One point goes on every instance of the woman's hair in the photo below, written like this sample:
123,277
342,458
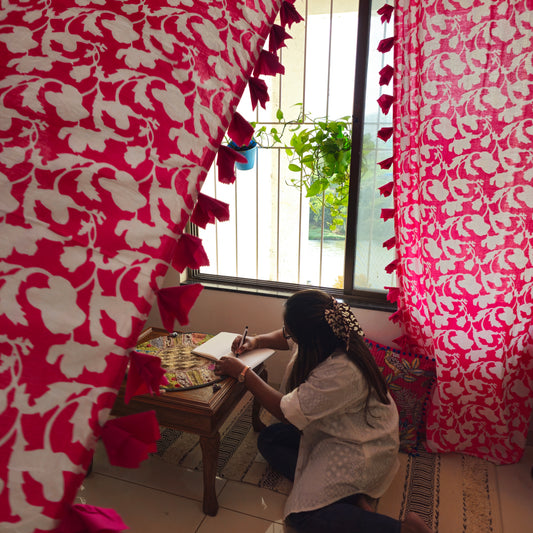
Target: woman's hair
306,323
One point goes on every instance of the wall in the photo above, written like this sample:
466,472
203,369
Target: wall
217,310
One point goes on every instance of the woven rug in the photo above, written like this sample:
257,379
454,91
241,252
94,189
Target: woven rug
453,493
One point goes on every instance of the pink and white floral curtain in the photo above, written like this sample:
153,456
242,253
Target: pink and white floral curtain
111,113
463,138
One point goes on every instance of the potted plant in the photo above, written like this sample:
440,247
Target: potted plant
249,151
320,156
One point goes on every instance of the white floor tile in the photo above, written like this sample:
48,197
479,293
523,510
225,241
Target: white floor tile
515,486
157,474
251,500
143,509
227,521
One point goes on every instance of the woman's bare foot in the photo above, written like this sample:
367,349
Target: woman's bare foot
414,524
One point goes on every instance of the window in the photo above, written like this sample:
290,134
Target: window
277,237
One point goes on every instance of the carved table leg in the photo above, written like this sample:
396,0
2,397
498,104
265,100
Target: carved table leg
210,447
256,406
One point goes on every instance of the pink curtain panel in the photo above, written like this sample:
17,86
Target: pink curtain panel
463,137
111,114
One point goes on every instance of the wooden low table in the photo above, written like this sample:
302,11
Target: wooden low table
199,411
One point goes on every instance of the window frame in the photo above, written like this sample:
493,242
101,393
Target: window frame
366,299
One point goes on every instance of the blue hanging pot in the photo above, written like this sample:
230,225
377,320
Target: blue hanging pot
249,151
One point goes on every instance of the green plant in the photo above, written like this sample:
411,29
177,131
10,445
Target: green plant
320,156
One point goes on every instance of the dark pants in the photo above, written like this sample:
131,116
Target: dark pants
279,444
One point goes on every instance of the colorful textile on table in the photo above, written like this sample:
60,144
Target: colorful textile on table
111,116
183,369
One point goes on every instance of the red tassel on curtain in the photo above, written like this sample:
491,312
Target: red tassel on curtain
240,131
277,38
385,75
145,375
392,266
288,14
176,302
385,102
129,439
386,163
189,253
403,342
258,92
390,243
226,158
393,294
395,317
386,13
83,518
208,209
385,133
385,45
386,190
268,65
387,214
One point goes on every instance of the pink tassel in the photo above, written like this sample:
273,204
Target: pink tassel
189,253
393,294
385,75
402,341
277,38
258,92
226,158
176,302
129,439
386,190
385,45
385,12
390,243
145,375
289,15
268,65
208,209
395,317
386,163
240,131
387,214
385,102
385,133
392,266
83,518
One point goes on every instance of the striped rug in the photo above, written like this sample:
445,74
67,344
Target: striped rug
453,493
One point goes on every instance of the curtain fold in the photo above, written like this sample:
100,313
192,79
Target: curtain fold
463,132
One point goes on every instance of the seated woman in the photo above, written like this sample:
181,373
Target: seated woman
338,436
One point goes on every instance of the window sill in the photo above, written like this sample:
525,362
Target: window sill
362,299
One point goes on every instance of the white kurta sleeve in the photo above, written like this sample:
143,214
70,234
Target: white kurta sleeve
329,389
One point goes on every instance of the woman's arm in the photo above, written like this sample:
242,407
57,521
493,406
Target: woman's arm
266,395
274,340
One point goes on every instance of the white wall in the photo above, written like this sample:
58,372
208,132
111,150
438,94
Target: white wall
217,310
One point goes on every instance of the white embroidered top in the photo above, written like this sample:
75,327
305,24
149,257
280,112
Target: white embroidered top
340,454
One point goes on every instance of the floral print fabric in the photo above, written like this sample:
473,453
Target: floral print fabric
111,115
464,215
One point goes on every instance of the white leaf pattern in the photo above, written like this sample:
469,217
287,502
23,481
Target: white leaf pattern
110,114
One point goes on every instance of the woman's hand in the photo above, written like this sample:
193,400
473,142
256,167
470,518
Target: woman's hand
249,344
229,366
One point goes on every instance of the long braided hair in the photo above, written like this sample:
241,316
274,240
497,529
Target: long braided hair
320,325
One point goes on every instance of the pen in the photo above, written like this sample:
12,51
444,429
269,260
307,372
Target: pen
243,337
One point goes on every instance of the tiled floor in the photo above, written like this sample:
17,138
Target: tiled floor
159,497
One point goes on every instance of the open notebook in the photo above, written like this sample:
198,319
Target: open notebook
220,345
